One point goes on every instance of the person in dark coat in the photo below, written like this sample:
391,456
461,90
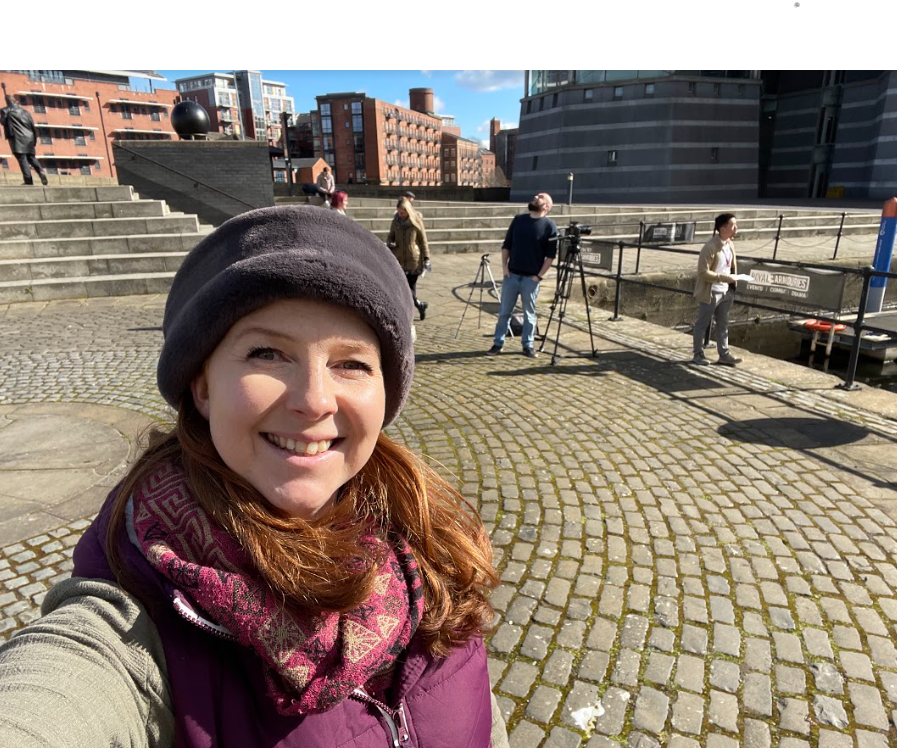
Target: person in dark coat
20,132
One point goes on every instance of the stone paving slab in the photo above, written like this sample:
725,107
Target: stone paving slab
688,557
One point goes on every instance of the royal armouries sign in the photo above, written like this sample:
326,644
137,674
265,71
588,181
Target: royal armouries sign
818,289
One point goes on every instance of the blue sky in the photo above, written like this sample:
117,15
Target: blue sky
472,96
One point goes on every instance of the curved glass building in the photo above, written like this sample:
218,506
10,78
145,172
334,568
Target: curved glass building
722,136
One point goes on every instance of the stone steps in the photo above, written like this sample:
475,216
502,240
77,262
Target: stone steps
28,195
82,211
23,249
173,223
72,242
90,265
49,289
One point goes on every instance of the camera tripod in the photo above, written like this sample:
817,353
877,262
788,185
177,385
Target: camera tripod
567,268
479,280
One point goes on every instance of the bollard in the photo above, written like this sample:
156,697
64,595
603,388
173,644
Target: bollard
884,251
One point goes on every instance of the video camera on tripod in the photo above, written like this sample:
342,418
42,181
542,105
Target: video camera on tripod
570,238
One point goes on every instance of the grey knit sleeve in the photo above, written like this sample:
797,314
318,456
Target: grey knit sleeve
90,672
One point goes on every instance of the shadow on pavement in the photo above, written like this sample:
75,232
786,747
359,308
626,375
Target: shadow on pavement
794,433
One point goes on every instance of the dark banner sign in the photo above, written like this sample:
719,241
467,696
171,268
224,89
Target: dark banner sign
667,233
819,289
595,254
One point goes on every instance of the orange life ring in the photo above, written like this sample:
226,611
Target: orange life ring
821,326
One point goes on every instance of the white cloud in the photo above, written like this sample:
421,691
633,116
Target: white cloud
483,126
485,143
438,104
428,73
489,80
406,103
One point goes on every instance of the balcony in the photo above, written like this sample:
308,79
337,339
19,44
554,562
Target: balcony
138,103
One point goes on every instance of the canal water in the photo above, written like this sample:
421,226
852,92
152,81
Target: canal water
771,337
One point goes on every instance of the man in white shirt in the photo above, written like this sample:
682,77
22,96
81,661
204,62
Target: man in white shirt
715,290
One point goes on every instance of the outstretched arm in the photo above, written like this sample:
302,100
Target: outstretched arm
91,672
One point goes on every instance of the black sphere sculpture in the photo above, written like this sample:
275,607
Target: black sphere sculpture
190,120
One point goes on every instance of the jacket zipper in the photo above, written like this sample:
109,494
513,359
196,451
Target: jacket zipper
395,718
187,613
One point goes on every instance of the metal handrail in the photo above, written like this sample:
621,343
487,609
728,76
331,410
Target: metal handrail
196,182
859,326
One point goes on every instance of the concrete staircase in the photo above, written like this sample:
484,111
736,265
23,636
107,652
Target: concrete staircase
75,242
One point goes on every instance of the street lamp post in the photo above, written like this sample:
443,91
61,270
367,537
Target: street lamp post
570,188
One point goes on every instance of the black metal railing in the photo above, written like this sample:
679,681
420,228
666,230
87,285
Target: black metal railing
858,324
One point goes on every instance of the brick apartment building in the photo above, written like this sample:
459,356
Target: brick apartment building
240,103
461,165
78,113
503,143
370,141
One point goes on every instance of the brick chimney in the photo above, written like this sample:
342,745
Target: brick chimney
421,100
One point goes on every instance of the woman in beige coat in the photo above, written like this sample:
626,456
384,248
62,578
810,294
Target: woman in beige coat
408,241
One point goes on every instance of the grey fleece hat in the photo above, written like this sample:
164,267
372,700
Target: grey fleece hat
285,253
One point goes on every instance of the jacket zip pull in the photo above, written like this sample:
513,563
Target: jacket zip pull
402,723
388,715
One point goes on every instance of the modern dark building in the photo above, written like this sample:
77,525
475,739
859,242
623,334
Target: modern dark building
699,135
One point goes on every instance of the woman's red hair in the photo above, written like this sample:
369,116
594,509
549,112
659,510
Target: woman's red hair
313,565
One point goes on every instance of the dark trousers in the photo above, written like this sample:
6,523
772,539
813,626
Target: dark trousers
412,284
26,161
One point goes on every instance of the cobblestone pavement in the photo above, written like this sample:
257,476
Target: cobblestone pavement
689,557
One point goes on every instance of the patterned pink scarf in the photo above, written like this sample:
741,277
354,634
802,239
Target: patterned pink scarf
312,662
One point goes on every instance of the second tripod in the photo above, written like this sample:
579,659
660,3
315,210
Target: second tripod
479,280
568,268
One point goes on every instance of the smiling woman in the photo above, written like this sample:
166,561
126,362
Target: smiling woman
274,570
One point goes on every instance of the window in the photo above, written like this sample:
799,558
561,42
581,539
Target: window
692,88
347,123
618,93
80,140
125,112
38,104
554,100
327,124
91,135
345,107
45,138
714,155
356,108
155,116
535,162
611,158
716,89
542,103
97,166
85,169
4,163
529,106
74,110
587,94
325,110
649,90
357,122
86,106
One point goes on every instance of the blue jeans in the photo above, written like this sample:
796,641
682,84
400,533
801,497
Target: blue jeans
527,289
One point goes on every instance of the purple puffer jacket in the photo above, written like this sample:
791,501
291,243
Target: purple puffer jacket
219,694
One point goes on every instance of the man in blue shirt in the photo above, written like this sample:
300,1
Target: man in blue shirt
526,255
